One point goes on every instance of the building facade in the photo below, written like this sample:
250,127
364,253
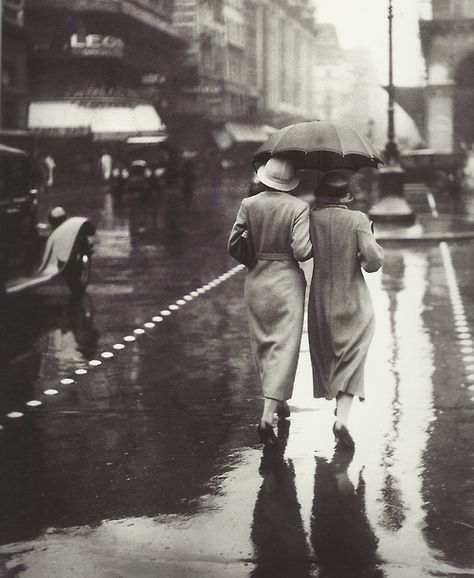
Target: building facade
448,48
215,81
249,63
332,85
99,71
105,65
285,58
14,67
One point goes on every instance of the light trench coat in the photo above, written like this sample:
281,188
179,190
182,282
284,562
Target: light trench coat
275,287
340,312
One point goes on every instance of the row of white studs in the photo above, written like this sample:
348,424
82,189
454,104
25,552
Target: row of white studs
463,331
156,319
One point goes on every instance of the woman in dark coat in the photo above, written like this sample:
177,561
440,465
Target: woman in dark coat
278,224
340,312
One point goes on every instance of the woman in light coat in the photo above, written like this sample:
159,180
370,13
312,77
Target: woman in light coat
340,312
278,224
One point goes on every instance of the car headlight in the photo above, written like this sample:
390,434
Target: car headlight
147,173
125,174
159,172
116,172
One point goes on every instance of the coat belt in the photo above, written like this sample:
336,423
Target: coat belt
274,257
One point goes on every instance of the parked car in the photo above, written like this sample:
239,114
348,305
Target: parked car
146,165
441,171
32,254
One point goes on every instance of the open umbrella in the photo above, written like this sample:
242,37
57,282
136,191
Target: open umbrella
320,145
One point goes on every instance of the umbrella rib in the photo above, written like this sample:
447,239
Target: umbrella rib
283,133
339,137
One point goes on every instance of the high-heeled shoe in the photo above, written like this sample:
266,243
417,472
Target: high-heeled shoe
283,410
343,437
267,435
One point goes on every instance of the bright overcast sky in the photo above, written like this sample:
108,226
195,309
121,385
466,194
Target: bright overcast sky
364,23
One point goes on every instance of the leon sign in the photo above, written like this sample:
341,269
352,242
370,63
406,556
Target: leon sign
96,45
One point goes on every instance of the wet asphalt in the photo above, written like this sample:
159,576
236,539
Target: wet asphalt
142,459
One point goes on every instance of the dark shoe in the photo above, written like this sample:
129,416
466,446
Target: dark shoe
343,437
267,435
283,411
283,429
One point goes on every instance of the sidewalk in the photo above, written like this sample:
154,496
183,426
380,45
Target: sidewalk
437,219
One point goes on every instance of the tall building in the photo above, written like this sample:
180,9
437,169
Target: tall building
448,47
99,68
14,67
285,58
249,64
332,85
215,79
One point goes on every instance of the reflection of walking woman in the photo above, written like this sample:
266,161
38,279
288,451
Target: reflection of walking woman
340,312
278,533
275,286
341,535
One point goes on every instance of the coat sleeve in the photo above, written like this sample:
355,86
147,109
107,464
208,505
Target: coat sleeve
239,226
300,241
370,252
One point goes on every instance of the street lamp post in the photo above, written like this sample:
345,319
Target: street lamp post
392,154
1,57
392,206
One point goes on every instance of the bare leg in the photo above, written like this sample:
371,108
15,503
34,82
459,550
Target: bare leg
269,408
343,408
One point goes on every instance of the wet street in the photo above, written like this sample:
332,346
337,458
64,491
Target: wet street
128,441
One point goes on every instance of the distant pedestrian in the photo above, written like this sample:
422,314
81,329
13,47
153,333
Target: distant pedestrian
340,312
275,286
469,168
50,165
47,165
106,164
188,174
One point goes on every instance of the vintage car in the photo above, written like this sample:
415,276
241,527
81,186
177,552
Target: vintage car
31,253
145,167
440,171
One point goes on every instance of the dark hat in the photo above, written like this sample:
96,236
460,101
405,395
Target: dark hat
335,183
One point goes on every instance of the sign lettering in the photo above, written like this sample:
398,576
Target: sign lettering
96,45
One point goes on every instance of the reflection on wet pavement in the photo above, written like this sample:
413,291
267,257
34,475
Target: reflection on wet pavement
148,465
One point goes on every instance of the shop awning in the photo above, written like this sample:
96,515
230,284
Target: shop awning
103,121
235,132
412,100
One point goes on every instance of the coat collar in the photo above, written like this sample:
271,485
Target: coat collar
325,202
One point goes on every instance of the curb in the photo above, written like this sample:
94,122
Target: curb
427,237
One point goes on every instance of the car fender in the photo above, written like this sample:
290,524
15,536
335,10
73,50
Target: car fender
61,242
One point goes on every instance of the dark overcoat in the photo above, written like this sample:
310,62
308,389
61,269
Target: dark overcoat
340,311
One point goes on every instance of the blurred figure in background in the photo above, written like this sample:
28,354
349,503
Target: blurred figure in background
188,174
105,164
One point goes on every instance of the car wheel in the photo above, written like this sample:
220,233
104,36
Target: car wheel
78,269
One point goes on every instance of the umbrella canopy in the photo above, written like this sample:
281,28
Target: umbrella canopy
320,145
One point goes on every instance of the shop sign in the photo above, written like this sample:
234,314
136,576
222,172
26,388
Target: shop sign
96,45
